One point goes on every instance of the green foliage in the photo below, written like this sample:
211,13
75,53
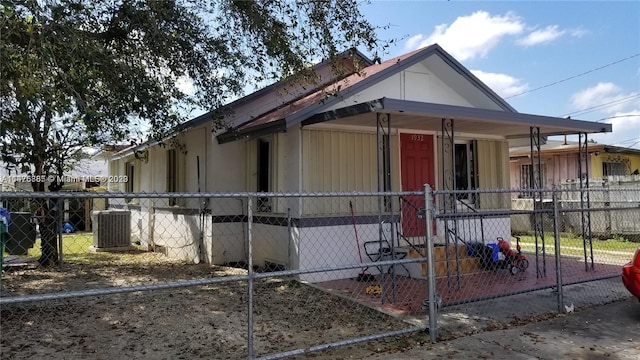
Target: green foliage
76,73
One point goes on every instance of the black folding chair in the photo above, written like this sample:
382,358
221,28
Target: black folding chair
381,250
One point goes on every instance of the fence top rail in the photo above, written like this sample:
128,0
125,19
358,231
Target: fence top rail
195,195
199,195
489,191
540,190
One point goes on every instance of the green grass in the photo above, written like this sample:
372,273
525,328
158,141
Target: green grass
76,249
72,244
575,246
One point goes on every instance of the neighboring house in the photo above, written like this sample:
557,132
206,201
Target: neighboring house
437,123
559,163
89,174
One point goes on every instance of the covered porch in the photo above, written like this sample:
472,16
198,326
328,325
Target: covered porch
462,153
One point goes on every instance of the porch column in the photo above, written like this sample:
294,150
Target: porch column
383,142
585,203
448,153
535,182
383,134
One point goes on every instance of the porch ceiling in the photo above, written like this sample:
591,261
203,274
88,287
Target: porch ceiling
428,116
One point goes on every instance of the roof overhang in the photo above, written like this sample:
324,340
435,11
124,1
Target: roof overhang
428,116
253,132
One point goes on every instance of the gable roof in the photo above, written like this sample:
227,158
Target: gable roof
493,116
322,99
499,118
347,55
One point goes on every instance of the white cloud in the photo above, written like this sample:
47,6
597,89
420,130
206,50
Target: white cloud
470,36
614,107
415,42
626,130
475,35
542,36
503,84
578,32
548,34
605,97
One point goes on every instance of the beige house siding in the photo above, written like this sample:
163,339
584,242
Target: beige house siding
492,157
343,161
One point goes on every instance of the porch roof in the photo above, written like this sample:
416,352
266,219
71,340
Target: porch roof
428,116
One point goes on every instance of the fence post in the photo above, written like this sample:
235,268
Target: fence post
556,236
289,239
59,221
250,279
431,277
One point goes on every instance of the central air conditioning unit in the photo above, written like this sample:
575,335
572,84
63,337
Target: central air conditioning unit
111,229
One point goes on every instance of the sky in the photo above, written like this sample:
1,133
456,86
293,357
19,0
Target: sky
555,58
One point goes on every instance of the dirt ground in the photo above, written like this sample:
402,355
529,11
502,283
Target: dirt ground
204,321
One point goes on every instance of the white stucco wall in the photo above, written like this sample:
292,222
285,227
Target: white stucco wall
270,242
228,243
180,234
326,247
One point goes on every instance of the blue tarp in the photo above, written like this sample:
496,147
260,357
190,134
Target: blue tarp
5,214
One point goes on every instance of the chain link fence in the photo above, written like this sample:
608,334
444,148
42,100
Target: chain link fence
275,275
547,252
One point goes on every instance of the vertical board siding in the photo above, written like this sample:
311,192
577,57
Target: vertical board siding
338,161
493,172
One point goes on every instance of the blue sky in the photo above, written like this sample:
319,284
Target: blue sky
518,46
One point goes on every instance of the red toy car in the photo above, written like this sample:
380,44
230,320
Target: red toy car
631,275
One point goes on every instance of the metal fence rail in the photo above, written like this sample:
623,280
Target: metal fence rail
274,275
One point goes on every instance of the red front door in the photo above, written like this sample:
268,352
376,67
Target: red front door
417,169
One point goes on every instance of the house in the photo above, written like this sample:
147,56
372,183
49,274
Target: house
559,162
394,126
607,170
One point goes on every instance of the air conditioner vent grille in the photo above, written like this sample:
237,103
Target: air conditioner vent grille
112,229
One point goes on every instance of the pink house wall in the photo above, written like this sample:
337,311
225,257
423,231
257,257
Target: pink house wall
557,168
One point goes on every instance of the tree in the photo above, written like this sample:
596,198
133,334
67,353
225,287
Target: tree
76,73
